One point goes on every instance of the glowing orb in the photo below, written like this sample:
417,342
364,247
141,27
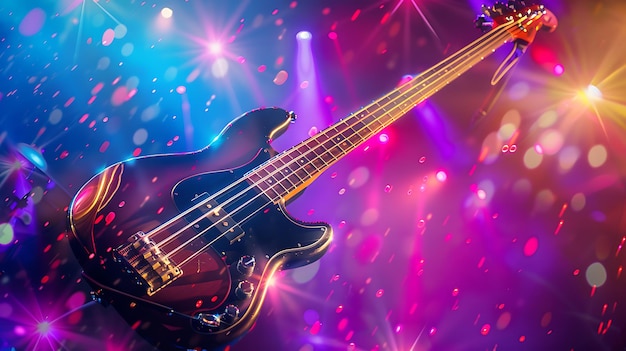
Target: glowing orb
383,138
33,155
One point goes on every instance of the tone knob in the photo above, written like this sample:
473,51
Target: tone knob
245,265
244,289
231,313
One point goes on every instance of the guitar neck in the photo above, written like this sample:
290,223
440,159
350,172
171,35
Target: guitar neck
289,172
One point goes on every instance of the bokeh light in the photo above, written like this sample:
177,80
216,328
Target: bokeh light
167,12
6,233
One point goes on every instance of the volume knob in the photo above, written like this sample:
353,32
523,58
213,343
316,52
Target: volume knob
245,265
244,289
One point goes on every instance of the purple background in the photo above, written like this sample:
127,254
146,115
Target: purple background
502,234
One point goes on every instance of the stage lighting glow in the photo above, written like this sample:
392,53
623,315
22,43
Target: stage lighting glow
593,93
215,48
43,328
304,35
166,12
33,155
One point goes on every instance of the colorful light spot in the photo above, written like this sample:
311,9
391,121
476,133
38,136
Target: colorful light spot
531,246
108,36
167,12
32,23
33,155
485,329
120,31
6,233
281,77
532,158
596,274
597,156
140,136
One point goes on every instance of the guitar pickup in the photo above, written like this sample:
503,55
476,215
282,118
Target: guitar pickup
217,218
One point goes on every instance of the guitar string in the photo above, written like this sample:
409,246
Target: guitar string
442,82
166,224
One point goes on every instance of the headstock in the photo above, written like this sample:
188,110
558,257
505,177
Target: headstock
528,18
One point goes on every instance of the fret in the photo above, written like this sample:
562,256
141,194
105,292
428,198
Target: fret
327,145
327,157
305,165
382,106
257,178
295,179
373,124
342,143
316,160
262,172
285,180
336,152
363,130
278,186
303,155
287,169
346,134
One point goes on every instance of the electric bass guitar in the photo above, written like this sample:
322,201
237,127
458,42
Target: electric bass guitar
183,245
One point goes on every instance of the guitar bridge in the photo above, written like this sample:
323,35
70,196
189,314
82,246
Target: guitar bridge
152,269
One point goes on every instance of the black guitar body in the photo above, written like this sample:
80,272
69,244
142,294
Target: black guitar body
199,279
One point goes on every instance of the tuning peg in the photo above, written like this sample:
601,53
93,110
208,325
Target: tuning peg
516,4
500,8
485,10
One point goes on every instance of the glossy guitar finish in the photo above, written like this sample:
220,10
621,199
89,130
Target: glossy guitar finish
219,294
185,245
